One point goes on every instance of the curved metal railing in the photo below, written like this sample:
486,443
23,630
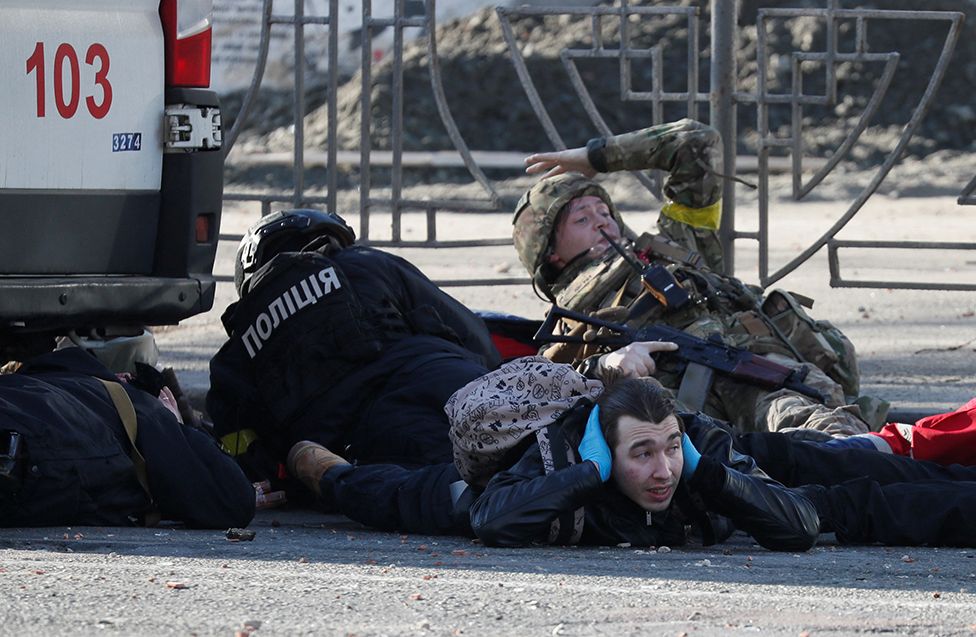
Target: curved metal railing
622,50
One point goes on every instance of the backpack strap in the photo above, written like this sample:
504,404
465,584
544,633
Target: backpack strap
568,527
127,413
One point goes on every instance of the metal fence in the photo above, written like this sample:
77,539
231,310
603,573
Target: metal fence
723,100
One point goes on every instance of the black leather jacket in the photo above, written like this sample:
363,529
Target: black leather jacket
728,491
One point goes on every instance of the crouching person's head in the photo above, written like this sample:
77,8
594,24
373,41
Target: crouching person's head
643,431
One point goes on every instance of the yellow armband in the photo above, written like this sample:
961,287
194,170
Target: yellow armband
706,218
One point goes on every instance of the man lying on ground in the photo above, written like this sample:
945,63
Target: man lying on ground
78,447
563,229
641,472
338,343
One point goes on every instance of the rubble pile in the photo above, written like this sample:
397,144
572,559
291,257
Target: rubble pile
492,111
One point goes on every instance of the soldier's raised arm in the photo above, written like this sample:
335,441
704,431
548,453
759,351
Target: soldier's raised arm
574,160
689,151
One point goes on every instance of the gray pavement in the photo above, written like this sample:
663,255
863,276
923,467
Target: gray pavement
323,575
307,573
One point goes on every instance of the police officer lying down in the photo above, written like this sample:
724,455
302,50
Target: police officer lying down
642,472
344,345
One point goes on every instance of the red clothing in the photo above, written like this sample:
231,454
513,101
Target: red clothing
948,438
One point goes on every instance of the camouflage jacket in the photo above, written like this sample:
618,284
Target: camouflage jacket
716,303
687,247
690,152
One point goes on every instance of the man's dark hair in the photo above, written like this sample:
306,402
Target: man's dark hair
641,398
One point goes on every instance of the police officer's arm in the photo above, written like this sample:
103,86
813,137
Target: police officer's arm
519,504
233,401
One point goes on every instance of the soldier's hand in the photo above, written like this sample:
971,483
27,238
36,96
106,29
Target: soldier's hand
559,162
635,360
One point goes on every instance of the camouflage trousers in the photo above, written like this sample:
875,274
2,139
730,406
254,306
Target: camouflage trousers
749,408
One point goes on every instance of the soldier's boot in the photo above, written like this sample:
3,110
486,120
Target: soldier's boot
308,461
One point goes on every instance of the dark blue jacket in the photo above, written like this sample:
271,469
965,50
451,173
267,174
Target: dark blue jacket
318,336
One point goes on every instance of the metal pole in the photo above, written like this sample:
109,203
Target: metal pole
299,109
366,119
725,15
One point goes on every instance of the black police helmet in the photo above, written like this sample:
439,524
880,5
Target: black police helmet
286,231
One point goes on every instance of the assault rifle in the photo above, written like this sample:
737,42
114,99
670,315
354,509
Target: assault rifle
697,359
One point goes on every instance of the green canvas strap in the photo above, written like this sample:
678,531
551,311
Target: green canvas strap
127,413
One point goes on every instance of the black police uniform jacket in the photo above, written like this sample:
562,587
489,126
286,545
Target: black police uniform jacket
727,491
318,334
75,465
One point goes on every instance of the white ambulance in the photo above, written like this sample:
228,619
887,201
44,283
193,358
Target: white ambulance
110,165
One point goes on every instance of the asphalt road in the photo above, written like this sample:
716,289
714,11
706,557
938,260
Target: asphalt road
306,573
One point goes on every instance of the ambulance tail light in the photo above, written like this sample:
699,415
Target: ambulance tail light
187,31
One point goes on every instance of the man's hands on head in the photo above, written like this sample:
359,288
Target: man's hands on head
691,457
635,360
593,446
574,160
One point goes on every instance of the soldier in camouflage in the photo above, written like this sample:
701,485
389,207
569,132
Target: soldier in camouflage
557,233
